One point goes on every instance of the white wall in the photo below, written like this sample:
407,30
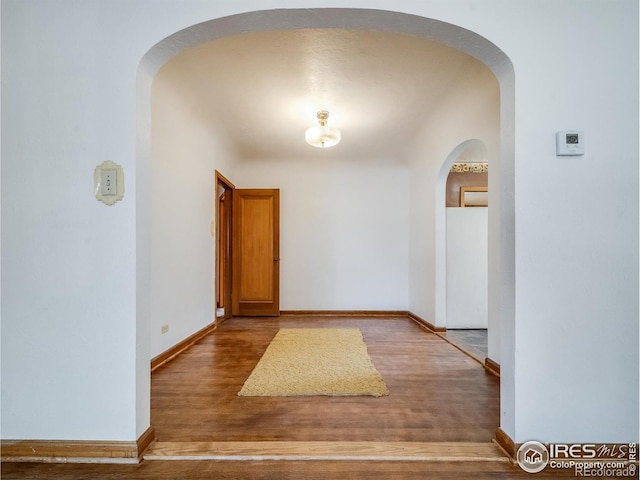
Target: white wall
467,274
344,232
577,227
72,362
470,111
185,153
344,238
68,261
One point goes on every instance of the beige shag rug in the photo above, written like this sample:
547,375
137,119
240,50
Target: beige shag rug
315,361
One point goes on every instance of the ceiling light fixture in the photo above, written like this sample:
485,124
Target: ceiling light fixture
322,136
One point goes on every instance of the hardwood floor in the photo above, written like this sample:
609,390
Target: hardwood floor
437,395
194,398
277,470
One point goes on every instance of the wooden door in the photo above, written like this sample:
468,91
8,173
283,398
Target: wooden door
255,252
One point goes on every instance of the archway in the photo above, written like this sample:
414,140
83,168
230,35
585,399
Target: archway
476,149
501,220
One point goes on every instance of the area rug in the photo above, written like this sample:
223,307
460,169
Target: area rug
315,361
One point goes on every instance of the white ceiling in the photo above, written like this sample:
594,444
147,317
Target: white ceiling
265,88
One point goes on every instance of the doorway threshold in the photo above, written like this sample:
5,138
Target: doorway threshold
330,451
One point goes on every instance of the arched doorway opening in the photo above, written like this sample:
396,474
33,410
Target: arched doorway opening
501,223
461,253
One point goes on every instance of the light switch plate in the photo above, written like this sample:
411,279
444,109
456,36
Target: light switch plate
108,182
108,179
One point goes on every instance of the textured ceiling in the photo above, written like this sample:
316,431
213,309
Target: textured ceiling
264,89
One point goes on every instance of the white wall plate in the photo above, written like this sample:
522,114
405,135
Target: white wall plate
108,180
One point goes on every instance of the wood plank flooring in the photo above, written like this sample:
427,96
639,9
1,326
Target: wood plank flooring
437,394
279,470
438,398
390,451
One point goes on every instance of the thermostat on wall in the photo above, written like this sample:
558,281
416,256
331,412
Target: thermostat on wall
569,143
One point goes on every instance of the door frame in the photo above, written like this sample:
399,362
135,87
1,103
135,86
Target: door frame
220,230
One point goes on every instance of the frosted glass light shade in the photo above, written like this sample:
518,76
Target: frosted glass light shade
322,136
